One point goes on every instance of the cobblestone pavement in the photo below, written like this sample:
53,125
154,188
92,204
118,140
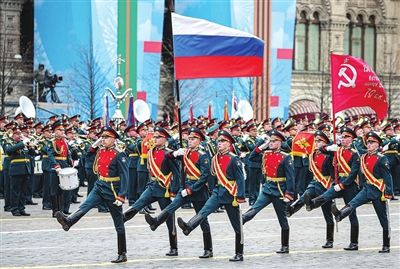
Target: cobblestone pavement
38,241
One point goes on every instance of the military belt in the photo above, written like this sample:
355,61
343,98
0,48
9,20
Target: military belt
143,156
60,158
109,179
45,156
391,152
133,154
192,177
343,175
276,179
20,161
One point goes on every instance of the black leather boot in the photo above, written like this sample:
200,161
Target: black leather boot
208,250
330,228
386,242
313,203
54,205
353,238
284,242
238,250
248,215
173,243
67,222
342,213
129,214
121,249
191,224
294,207
158,220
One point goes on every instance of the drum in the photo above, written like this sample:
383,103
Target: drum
68,178
38,168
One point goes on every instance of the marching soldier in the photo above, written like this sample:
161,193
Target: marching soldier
301,162
321,165
255,177
390,148
130,142
278,189
46,166
165,179
111,188
348,165
377,188
59,158
19,171
229,191
197,167
6,165
142,171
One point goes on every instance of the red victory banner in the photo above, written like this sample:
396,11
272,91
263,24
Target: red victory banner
355,84
303,144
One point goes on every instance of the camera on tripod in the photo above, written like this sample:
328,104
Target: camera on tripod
51,80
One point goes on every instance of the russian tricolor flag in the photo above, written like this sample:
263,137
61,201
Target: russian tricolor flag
203,49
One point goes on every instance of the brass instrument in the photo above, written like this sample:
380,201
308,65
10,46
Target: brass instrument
33,142
360,120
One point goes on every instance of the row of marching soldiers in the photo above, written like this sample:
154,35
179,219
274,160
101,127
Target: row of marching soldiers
142,164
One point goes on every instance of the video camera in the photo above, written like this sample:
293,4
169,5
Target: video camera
51,80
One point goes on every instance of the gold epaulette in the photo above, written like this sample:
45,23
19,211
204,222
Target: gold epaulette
284,153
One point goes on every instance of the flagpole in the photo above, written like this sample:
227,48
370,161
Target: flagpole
178,100
335,167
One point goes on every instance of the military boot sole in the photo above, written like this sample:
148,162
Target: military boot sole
61,219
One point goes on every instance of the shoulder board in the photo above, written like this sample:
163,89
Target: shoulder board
232,154
284,153
118,149
201,151
380,154
353,150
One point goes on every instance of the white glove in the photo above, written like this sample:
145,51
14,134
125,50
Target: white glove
171,198
179,152
71,142
58,170
37,158
333,147
245,137
263,146
184,193
337,188
242,155
263,136
26,141
118,203
286,200
75,164
385,148
97,143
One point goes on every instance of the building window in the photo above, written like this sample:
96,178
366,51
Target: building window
360,39
307,43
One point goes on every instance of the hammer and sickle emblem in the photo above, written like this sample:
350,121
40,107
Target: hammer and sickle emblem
350,81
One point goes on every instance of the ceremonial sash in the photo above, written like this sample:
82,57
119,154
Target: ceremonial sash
189,165
326,182
370,177
231,187
342,161
165,179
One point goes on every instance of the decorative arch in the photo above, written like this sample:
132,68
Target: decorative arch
304,107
